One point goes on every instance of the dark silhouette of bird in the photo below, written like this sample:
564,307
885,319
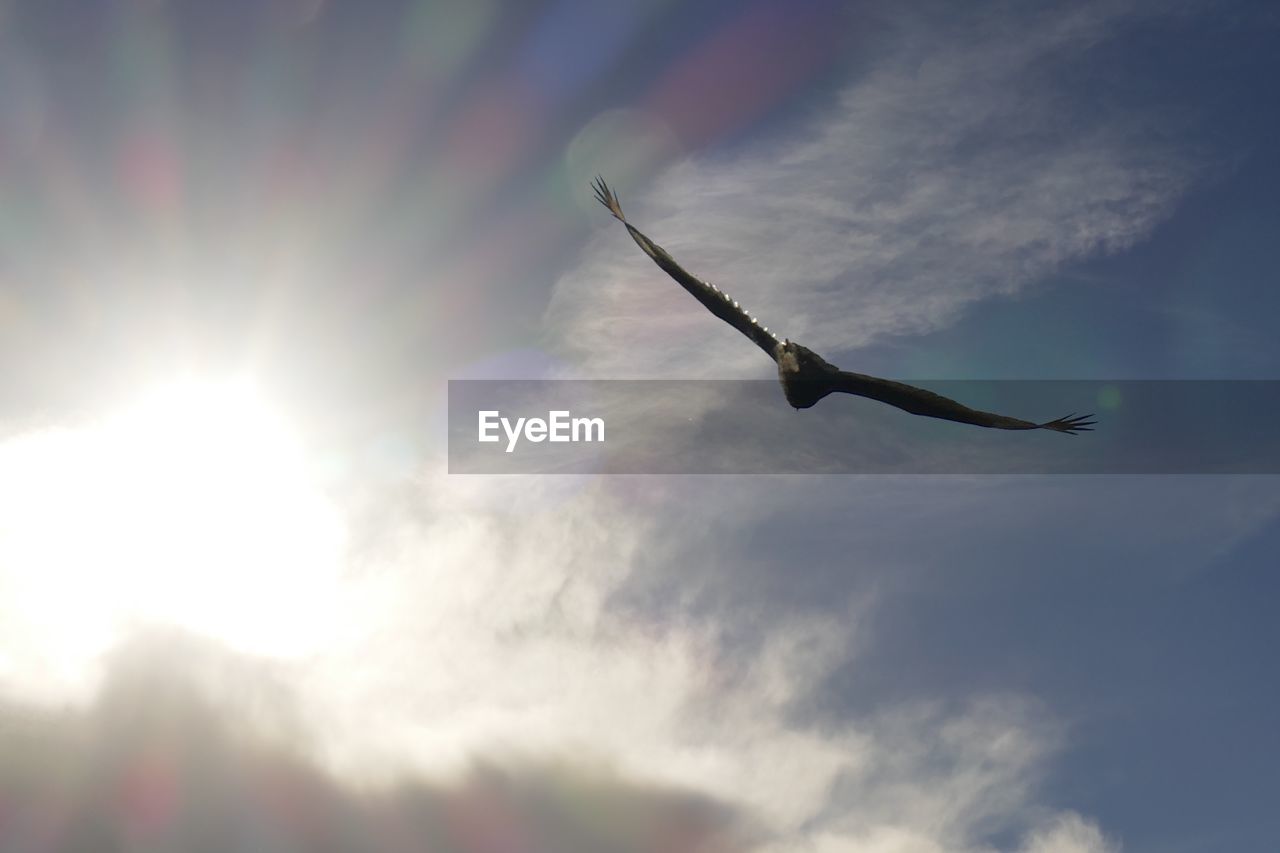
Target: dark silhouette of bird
807,377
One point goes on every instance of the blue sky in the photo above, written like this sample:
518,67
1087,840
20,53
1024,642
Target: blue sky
310,214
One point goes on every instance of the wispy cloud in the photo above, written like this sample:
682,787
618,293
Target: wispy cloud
964,164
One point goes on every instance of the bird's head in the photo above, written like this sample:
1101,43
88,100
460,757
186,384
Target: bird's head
801,359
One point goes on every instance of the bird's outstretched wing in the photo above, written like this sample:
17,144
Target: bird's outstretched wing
715,300
918,401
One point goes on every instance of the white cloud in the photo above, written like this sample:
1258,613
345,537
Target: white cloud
958,168
1069,833
500,642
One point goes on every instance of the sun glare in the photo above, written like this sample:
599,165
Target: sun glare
194,506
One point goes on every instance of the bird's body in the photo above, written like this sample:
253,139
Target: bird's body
807,377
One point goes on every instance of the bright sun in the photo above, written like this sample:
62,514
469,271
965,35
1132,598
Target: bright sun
194,506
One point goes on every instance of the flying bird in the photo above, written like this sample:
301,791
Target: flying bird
807,377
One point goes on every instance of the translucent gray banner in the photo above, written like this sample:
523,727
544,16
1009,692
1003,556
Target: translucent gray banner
746,427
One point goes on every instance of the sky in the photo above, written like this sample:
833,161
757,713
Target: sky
244,604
